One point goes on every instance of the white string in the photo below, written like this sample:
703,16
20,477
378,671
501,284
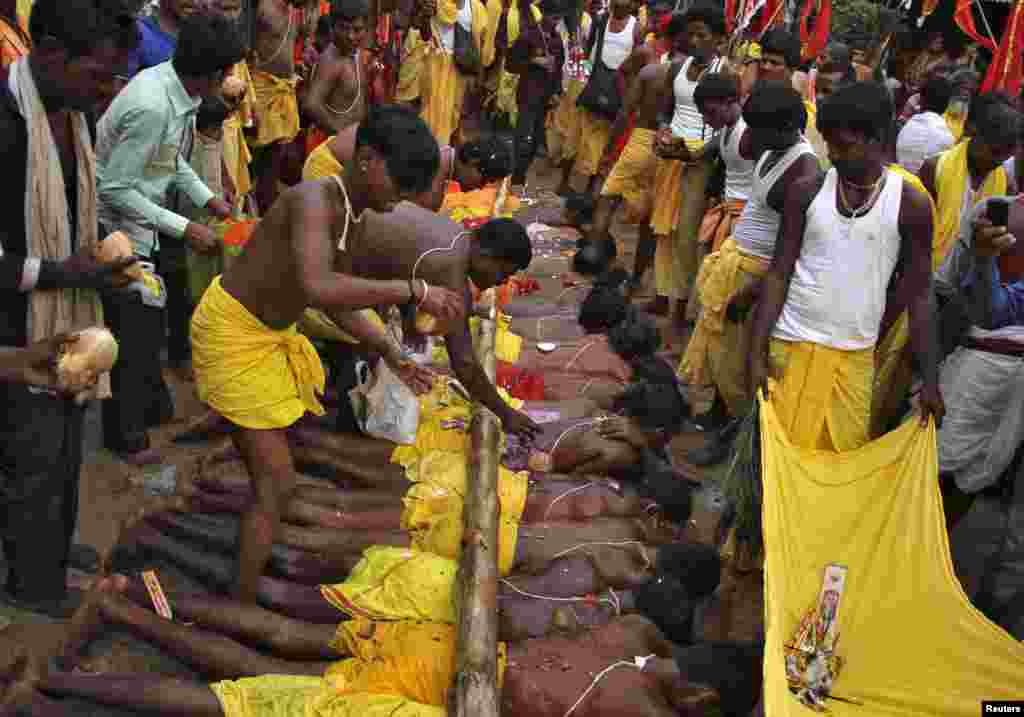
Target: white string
567,430
284,41
612,543
359,89
451,247
637,664
578,354
566,494
349,214
571,288
613,601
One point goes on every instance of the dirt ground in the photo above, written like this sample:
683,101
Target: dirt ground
112,495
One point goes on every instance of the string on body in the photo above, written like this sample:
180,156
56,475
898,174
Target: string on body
638,663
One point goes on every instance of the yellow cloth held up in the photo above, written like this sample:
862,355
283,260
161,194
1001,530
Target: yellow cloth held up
392,583
252,375
955,122
951,179
433,507
911,642
301,696
822,395
277,109
237,156
321,163
716,355
632,177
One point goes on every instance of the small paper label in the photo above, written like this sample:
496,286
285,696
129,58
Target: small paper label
156,594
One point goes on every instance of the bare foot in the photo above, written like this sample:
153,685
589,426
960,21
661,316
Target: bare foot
88,620
207,427
21,677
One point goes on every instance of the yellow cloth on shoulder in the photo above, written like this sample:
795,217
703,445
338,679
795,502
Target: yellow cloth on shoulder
301,696
822,395
951,179
391,583
433,506
421,668
955,123
632,177
439,405
252,375
716,355
910,641
321,163
276,108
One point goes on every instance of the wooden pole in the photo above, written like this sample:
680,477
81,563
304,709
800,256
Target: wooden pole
475,689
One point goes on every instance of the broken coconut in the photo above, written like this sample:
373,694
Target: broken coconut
115,247
82,361
233,89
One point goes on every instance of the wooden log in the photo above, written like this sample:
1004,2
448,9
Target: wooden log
475,689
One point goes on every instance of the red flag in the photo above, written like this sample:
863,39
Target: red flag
730,15
965,19
1006,71
814,42
771,14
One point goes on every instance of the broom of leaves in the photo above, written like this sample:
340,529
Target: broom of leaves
741,488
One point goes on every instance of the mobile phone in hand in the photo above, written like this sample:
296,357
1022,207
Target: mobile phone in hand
998,212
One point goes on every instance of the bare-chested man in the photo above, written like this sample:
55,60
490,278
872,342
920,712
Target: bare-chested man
336,96
631,179
252,366
274,79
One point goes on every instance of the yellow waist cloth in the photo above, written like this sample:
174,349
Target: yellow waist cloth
299,696
591,142
632,177
276,109
237,156
719,222
822,395
433,507
717,351
562,125
321,163
252,375
951,179
910,642
397,584
421,668
668,183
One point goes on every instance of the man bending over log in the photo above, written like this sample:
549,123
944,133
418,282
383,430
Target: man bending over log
252,366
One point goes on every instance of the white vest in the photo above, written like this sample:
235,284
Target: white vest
687,121
739,172
837,293
617,45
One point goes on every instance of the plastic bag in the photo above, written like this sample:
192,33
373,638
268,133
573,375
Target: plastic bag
384,406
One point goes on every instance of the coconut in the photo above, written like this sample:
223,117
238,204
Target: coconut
233,89
82,361
115,247
431,325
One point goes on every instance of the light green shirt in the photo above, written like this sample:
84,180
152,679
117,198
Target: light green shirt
139,163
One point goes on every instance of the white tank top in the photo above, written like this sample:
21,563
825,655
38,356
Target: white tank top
758,226
464,18
617,45
687,121
837,294
739,172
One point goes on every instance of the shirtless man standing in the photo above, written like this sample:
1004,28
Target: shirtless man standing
252,366
336,97
274,79
632,178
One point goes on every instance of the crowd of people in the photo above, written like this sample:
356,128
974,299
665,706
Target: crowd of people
323,202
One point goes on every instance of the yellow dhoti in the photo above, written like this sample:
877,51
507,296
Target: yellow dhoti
692,201
321,163
433,507
563,125
591,142
277,109
718,224
442,92
252,375
300,696
822,395
632,177
397,584
716,355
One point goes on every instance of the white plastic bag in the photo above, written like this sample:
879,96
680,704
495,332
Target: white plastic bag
384,406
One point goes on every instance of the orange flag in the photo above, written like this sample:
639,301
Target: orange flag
965,19
1007,70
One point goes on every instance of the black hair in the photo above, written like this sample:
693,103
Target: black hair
862,107
582,204
672,494
655,406
324,26
594,257
710,15
347,10
212,113
994,119
490,155
936,94
839,53
734,669
715,87
613,278
207,43
635,337
603,308
775,105
82,26
507,240
783,43
654,369
665,602
696,565
406,144
676,24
